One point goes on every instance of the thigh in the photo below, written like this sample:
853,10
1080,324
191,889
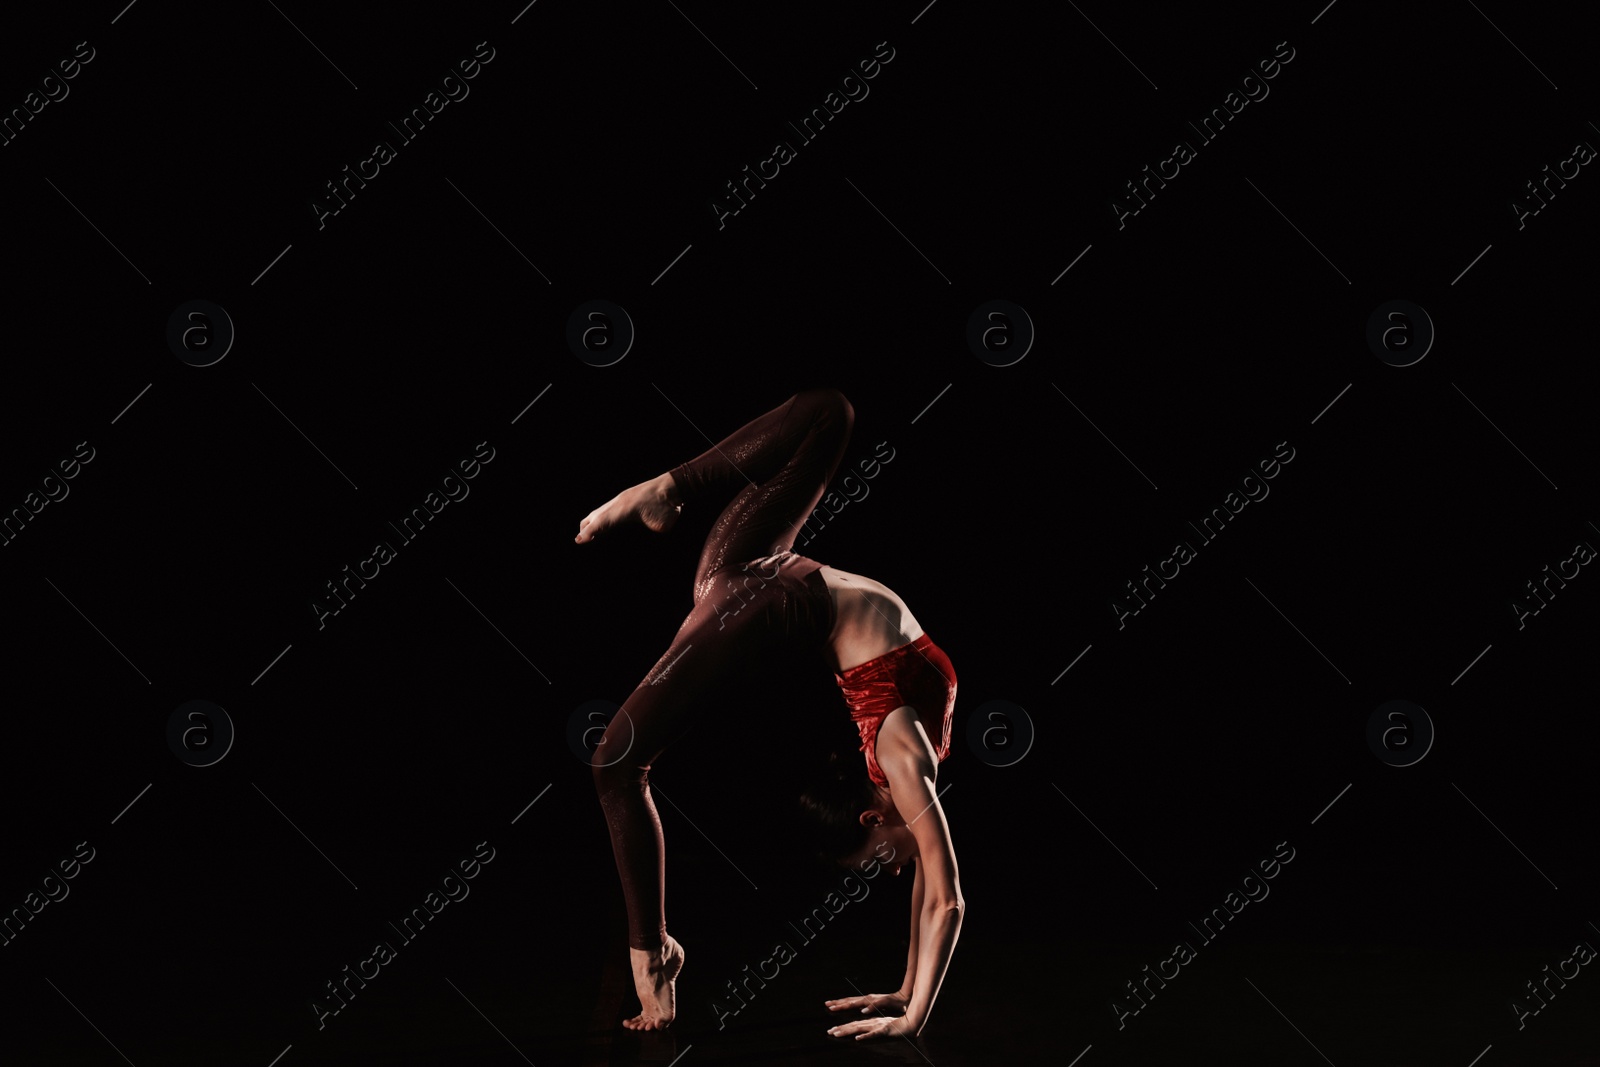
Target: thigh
718,641
765,517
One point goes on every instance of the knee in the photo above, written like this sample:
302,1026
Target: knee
829,406
616,778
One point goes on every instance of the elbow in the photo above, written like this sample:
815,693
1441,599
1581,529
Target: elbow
955,907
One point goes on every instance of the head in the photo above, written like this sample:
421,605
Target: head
852,821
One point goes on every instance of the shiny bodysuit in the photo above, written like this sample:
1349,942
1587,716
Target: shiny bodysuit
753,597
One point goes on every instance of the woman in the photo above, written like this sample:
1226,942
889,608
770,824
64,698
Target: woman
753,595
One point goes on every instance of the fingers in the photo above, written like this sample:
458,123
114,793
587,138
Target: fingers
858,1030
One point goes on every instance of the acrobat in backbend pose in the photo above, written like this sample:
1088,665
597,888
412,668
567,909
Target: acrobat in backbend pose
753,594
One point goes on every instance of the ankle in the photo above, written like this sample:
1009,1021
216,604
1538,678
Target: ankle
667,487
654,959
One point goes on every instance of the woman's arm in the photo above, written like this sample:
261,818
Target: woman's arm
907,758
942,905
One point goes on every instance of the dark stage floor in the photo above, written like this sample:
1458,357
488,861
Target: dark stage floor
481,987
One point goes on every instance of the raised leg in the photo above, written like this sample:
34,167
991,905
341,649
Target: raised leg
776,467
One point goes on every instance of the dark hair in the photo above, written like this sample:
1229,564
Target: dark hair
830,810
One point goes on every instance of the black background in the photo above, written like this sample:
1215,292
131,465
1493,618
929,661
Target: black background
1177,352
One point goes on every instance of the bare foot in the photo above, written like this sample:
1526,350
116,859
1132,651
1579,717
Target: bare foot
653,503
655,980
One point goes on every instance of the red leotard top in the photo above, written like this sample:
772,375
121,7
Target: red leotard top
918,674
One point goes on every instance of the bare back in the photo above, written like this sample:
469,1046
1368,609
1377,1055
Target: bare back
869,619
